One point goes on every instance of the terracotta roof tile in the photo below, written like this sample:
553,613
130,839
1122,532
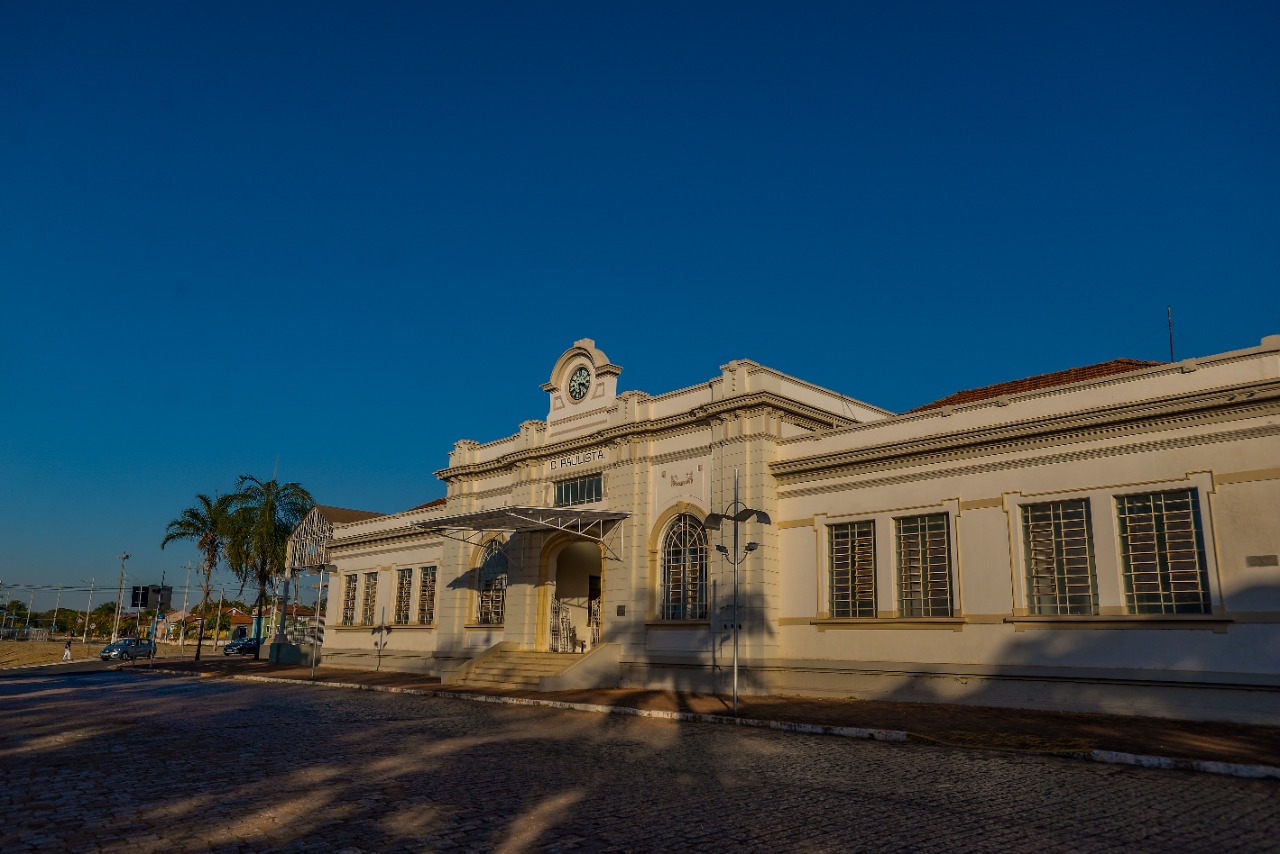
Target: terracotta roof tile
1057,378
439,502
342,515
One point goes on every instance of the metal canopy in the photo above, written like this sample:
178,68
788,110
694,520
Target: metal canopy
593,525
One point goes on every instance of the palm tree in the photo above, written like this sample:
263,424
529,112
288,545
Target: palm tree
265,515
207,524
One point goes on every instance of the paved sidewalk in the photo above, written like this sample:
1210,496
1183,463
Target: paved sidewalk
953,725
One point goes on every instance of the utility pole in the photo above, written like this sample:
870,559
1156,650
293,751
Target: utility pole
217,625
155,624
85,639
115,630
182,638
30,601
56,603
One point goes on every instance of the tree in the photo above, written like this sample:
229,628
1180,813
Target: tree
15,612
208,524
100,620
265,515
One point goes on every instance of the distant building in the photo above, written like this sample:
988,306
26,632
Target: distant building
1103,538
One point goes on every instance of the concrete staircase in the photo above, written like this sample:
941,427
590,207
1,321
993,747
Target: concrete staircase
516,670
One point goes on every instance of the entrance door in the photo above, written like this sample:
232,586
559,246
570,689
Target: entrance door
574,618
593,608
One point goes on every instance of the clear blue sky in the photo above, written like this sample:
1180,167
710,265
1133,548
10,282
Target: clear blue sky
349,234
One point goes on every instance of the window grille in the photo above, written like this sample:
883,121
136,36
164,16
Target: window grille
349,601
684,570
1162,547
1058,545
370,598
427,596
853,569
404,584
924,566
493,585
581,490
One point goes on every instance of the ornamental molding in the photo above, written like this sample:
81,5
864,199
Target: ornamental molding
1100,423
738,407
1068,457
700,453
396,538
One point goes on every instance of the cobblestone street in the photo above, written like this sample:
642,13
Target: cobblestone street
122,762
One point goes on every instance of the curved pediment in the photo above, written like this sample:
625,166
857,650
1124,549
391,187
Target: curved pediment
582,380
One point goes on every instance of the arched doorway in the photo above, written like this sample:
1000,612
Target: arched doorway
574,612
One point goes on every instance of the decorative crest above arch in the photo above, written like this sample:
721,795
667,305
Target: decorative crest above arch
583,379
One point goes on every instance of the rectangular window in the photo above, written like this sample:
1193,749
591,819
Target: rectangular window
427,596
370,598
853,569
1058,546
349,600
404,585
1162,547
582,490
924,566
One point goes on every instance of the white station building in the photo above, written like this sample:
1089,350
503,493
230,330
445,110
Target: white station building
1099,539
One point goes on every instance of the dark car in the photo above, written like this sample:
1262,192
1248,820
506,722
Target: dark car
128,649
242,646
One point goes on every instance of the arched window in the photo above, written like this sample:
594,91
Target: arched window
684,570
493,585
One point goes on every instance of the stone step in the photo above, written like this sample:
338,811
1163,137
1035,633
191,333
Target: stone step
500,676
558,664
509,682
502,672
518,669
477,682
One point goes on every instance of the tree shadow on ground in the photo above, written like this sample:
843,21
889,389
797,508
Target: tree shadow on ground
124,762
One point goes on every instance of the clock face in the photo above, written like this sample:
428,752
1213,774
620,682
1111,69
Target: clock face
579,383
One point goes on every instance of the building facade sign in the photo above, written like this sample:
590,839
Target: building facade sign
582,458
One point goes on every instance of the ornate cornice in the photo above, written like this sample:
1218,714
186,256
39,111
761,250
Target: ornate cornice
394,535
807,416
1063,458
1104,422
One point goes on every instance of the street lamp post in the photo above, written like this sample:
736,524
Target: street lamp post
115,630
737,512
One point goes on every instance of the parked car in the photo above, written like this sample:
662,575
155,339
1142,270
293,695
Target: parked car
128,649
242,646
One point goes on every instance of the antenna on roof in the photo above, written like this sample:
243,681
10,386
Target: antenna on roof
1170,310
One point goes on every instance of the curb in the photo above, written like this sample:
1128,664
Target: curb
45,664
1205,766
1109,757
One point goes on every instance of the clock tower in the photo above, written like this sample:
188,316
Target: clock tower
583,382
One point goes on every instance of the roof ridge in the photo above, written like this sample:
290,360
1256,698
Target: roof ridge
1067,376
